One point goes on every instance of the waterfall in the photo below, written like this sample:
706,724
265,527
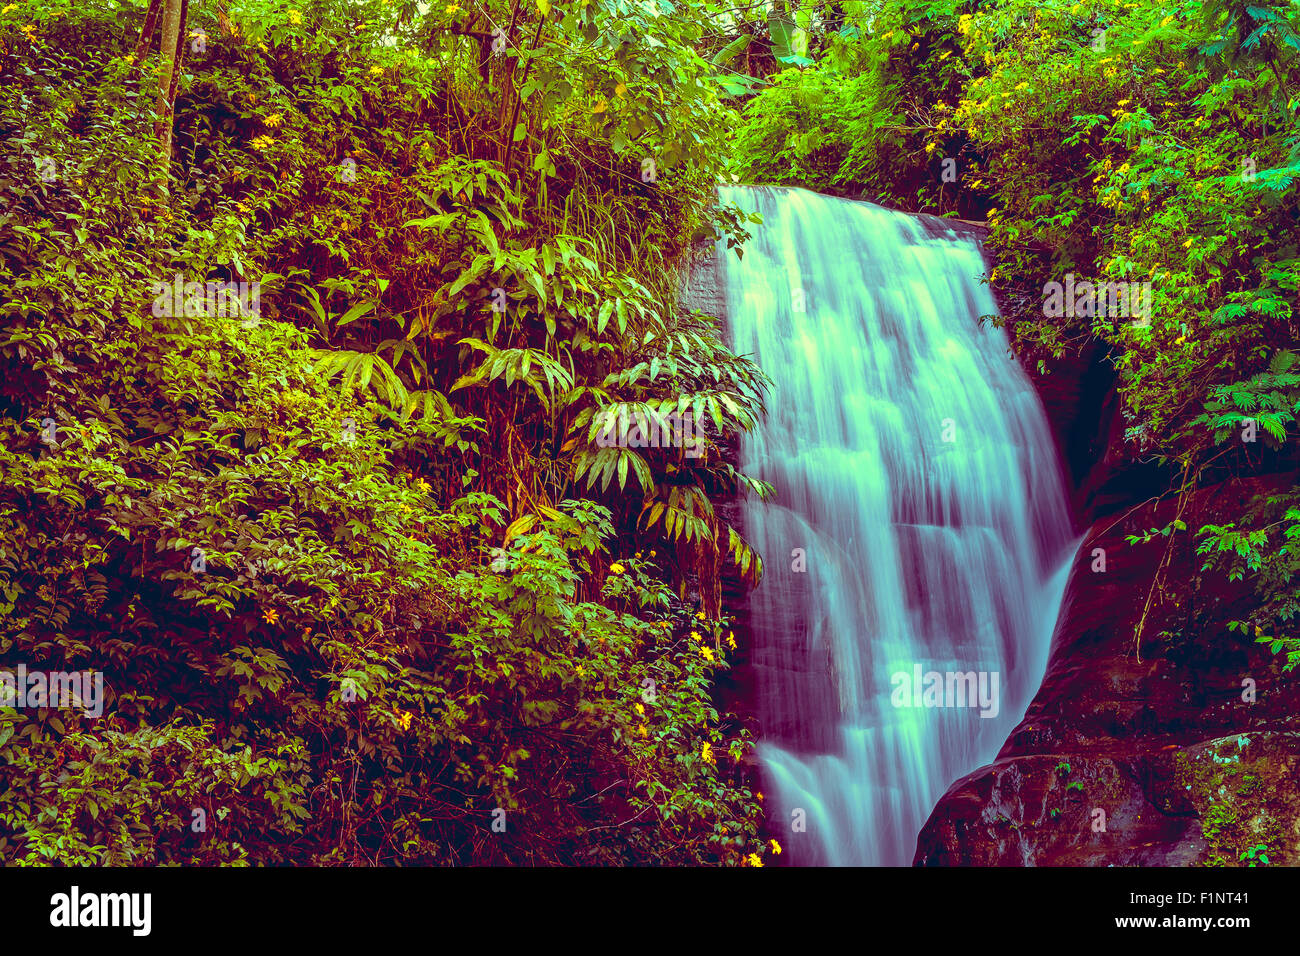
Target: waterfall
920,524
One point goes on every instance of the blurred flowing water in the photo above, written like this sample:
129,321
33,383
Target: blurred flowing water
917,479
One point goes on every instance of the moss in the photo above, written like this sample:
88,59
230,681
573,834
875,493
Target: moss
1226,784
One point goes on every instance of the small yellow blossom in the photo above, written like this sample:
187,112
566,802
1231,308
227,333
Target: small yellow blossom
616,568
652,554
404,720
759,796
731,641
776,847
706,752
642,731
640,708
295,17
376,71
8,7
272,121
700,616
706,653
754,859
453,9
271,616
261,142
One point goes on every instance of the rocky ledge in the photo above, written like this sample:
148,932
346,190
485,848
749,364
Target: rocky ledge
1184,751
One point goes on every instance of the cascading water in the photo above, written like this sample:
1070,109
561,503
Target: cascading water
920,523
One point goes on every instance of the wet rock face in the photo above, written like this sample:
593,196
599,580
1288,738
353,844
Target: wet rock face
1157,758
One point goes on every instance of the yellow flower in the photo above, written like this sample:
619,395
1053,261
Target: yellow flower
731,640
616,569
261,142
295,17
580,674
422,484
700,616
759,796
652,554
376,71
776,847
1123,102
453,9
271,616
754,859
929,148
706,752
272,121
404,719
640,708
642,731
706,653
1188,243
695,635
8,7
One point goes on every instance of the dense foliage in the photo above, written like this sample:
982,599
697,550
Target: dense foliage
362,580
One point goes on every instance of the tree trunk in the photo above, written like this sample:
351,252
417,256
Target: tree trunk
169,48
